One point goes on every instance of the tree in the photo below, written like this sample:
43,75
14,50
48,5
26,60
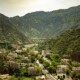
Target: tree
67,72
3,67
38,70
51,69
73,74
46,64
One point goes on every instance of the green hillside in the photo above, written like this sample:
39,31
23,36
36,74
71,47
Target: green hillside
9,31
47,24
40,24
67,43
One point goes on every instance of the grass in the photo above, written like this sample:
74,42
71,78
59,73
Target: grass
21,78
27,78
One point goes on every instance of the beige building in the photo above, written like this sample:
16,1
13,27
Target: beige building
45,52
11,56
31,71
61,68
15,46
2,51
13,64
25,59
41,78
76,69
4,77
64,61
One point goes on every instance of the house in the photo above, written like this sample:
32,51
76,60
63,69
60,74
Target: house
36,52
4,77
25,59
76,69
61,68
24,49
18,51
66,56
41,78
11,55
64,61
2,51
13,64
45,52
61,75
15,46
31,70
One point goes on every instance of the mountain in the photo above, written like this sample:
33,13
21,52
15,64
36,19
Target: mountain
67,43
38,25
9,31
47,24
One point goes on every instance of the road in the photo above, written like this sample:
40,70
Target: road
45,71
50,77
30,45
46,59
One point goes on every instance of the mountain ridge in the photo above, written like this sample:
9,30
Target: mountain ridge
47,24
9,32
39,24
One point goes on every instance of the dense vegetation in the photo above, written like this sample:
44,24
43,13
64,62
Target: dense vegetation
67,43
19,65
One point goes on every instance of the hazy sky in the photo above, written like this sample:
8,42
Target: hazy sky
21,7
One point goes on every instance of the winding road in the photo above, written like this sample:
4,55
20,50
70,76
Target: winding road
45,71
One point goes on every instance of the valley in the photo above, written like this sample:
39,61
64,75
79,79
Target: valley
41,45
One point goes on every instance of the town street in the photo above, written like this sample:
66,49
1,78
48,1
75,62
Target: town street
45,71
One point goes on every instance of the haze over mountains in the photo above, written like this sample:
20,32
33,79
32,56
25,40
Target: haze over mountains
39,24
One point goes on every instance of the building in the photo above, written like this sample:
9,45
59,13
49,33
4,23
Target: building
2,51
11,56
18,51
35,52
24,49
15,46
13,64
4,77
31,71
61,68
64,61
25,59
76,69
45,52
41,78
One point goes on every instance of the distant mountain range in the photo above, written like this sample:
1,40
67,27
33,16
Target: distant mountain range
39,24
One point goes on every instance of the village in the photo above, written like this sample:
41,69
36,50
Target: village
26,62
